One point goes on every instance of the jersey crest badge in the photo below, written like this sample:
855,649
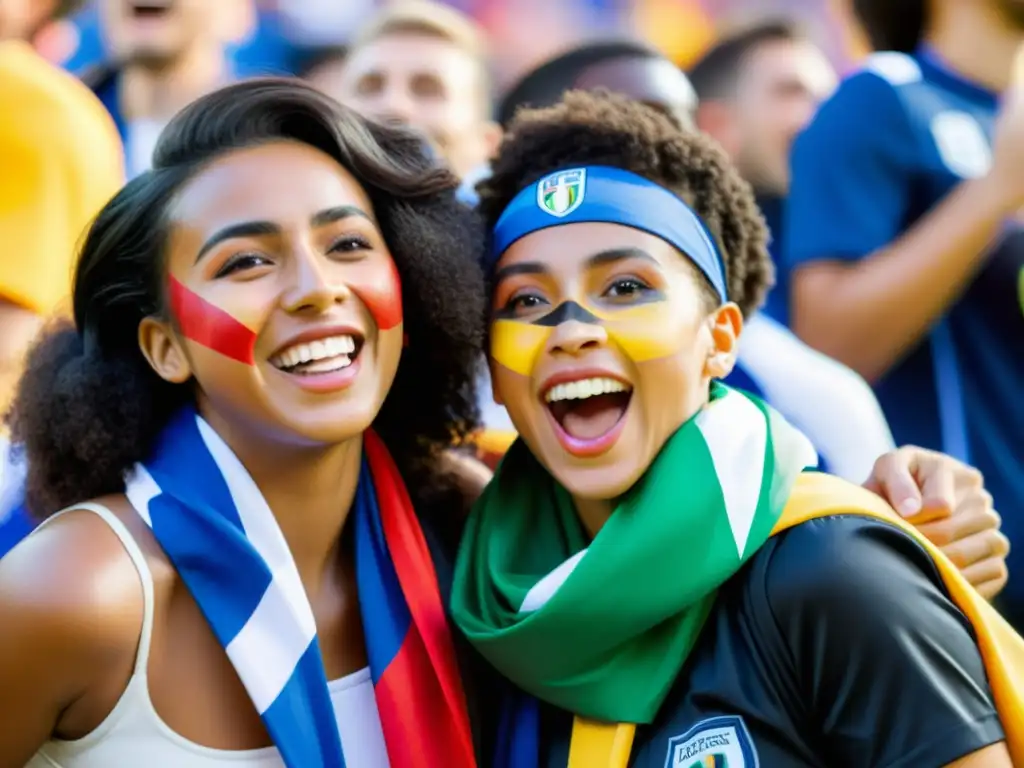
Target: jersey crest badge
720,742
562,192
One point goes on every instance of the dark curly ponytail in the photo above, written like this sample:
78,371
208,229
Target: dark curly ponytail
89,406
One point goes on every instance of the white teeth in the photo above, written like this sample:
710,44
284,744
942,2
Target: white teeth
328,365
322,349
584,388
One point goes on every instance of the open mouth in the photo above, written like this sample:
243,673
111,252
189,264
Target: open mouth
589,413
149,9
321,357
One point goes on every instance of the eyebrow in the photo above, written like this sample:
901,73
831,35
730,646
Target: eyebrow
613,255
599,259
523,268
269,228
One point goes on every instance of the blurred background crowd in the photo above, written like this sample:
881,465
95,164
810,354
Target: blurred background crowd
753,74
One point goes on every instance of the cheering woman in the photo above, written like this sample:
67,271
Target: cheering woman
652,569
275,335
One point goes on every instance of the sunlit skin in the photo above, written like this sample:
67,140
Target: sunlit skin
421,81
269,271
589,300
777,93
157,35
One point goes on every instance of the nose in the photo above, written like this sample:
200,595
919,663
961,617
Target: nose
573,338
312,290
394,107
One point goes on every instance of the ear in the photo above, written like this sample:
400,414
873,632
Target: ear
163,350
726,327
492,137
715,118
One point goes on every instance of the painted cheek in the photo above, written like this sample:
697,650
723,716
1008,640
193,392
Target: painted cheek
517,345
210,326
643,332
380,289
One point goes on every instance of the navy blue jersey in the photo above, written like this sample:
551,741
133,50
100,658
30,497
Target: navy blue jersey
776,305
858,182
836,645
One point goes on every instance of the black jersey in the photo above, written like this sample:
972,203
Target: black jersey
836,645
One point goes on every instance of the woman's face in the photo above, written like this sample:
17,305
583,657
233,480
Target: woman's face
285,300
601,347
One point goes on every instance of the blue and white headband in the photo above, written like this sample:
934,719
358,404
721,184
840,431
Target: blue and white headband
599,193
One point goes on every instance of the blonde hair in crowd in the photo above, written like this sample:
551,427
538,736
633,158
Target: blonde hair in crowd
430,19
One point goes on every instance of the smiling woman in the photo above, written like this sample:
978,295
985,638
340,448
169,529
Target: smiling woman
276,329
652,568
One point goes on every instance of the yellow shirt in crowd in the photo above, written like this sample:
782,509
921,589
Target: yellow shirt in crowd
61,160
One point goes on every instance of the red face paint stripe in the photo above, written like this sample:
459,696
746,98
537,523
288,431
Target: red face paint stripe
211,326
383,298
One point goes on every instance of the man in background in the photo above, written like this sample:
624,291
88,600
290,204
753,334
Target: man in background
421,64
162,55
620,66
61,161
757,89
904,240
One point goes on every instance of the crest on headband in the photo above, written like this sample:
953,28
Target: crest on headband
562,192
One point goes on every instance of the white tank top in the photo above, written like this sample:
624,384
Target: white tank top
134,734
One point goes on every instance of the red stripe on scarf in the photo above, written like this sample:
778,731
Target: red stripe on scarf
420,698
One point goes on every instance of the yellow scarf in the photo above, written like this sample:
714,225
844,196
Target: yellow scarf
608,745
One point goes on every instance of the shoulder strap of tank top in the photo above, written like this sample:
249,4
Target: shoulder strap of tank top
138,560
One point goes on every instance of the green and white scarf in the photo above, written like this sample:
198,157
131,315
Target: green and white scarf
603,630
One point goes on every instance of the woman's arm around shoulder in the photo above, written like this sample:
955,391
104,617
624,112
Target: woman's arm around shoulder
887,664
71,609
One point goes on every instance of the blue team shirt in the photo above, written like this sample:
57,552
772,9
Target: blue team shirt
892,142
776,305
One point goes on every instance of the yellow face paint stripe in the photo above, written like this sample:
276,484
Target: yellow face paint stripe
640,331
517,345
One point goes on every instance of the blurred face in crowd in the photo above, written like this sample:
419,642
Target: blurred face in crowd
652,80
156,33
777,91
422,81
21,19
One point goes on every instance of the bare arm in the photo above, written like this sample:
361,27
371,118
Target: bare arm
992,756
70,609
895,294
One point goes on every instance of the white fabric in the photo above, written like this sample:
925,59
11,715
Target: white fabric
735,431
824,399
267,649
140,141
12,479
133,734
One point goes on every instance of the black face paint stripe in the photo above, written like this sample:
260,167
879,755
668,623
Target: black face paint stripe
564,312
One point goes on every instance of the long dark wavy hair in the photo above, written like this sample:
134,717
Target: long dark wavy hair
89,405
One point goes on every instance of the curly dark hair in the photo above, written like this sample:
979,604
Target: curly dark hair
892,25
89,405
596,128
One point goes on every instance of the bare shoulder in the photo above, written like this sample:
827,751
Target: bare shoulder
73,582
71,613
